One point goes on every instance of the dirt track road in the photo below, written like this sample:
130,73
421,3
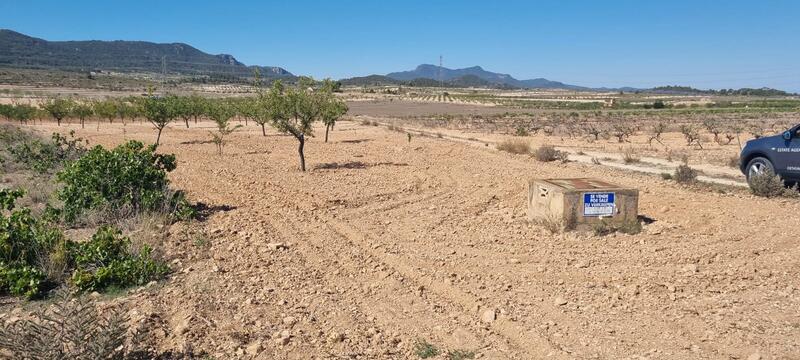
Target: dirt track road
384,242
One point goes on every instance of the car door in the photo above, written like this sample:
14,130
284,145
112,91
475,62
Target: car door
786,157
792,156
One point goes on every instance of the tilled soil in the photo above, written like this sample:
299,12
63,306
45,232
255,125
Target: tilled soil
384,242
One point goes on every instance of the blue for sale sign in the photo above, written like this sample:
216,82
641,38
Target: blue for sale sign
598,204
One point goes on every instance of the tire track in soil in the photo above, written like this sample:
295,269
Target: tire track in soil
530,343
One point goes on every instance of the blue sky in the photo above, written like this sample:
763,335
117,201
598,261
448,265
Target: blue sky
706,44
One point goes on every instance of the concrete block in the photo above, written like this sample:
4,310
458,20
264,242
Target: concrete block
579,203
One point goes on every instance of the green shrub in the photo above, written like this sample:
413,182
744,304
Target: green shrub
460,354
107,261
45,156
21,280
131,176
22,236
33,253
424,349
23,239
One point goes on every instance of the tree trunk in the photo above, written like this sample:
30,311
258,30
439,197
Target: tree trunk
83,124
327,127
186,120
302,140
263,130
58,121
158,138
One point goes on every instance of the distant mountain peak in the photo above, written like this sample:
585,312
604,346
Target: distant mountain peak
472,74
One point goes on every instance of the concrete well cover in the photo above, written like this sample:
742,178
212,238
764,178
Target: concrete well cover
582,184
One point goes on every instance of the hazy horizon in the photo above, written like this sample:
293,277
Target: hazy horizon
614,44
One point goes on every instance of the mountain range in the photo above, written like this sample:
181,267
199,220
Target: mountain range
22,51
478,76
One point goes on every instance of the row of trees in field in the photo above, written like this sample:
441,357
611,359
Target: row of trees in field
290,110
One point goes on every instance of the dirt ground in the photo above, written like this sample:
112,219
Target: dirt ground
384,242
382,106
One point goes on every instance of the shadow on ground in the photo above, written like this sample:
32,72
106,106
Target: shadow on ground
204,211
356,141
354,165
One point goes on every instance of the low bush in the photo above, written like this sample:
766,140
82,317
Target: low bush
515,146
459,354
21,280
629,156
107,260
46,156
424,349
770,185
23,241
131,176
734,161
684,174
547,153
521,131
33,254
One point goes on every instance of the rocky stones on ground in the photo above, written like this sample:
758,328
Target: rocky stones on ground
254,348
277,246
489,316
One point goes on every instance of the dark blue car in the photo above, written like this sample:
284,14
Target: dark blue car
779,154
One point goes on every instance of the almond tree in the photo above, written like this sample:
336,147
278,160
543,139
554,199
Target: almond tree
262,114
58,108
332,108
221,112
259,106
105,109
160,111
127,110
82,111
293,111
183,109
197,106
6,111
23,113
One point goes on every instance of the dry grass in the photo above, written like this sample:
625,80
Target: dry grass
547,153
770,185
629,156
685,174
677,155
515,146
556,225
733,161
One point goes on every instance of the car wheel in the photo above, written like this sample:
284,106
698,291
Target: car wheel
759,166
